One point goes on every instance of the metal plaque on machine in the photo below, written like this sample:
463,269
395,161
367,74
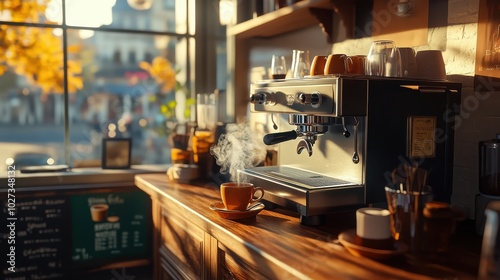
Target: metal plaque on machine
421,136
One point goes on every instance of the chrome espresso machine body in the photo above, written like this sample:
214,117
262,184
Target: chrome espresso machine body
340,138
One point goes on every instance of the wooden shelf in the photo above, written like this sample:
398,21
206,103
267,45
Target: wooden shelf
283,20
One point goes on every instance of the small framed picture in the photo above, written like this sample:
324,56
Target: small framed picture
116,153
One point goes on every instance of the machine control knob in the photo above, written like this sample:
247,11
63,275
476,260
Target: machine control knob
313,99
263,97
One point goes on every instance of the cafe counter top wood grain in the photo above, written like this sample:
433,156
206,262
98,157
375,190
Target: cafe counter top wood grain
274,244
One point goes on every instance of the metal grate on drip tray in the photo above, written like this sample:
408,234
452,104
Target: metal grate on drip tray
299,177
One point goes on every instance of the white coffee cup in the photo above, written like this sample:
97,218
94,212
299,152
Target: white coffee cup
183,173
373,223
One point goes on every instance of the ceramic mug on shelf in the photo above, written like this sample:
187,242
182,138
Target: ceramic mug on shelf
336,64
318,65
430,65
356,64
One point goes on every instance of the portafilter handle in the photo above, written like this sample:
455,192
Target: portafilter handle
276,138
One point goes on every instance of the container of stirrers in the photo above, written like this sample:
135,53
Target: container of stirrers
407,219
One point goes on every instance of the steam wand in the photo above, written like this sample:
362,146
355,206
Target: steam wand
344,127
275,126
355,156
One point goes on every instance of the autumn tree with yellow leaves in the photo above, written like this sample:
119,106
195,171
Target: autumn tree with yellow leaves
164,74
34,52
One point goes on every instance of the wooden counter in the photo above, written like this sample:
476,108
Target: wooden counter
191,241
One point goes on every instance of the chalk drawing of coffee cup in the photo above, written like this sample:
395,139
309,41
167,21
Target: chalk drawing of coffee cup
99,212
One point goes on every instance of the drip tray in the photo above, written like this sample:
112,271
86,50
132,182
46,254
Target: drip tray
301,178
304,191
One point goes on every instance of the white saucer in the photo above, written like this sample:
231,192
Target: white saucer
221,210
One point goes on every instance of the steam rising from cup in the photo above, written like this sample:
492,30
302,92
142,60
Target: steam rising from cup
239,148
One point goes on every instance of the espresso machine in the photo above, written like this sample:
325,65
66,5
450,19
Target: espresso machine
340,137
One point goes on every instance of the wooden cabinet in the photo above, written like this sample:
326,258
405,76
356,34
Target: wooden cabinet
183,248
230,266
185,251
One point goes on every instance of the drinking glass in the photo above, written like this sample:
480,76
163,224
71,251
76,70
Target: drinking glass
407,218
384,59
278,67
205,111
299,65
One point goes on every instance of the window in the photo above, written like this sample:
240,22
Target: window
117,57
131,57
66,86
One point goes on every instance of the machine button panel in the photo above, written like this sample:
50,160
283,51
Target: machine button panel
319,99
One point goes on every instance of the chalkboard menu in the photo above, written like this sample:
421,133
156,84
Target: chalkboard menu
40,240
109,225
58,236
